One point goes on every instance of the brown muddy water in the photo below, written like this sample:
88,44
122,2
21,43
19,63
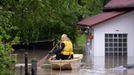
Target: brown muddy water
90,65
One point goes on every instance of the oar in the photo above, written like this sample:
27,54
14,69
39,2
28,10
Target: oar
41,61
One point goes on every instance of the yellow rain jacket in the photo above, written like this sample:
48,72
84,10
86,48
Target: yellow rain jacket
68,49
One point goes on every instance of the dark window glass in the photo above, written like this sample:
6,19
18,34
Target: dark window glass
106,40
110,35
115,49
110,44
120,44
115,44
106,35
120,35
115,35
120,40
124,40
115,40
110,40
124,49
120,49
124,45
106,49
106,44
124,35
110,49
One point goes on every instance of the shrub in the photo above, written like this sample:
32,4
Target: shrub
6,51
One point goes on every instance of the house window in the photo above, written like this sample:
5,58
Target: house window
116,43
115,49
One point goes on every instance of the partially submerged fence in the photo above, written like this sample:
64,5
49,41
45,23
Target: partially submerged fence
26,69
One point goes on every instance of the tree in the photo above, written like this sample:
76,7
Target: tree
6,42
6,50
48,19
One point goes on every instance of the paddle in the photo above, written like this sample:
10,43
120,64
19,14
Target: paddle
41,61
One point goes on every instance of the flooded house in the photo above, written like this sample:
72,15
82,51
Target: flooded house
110,33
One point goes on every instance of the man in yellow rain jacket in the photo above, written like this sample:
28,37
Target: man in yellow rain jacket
65,51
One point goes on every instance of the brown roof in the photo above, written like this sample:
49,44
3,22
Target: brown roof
120,4
91,21
115,8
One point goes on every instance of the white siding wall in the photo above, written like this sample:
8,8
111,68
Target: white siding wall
123,23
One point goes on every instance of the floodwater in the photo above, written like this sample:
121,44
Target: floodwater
90,65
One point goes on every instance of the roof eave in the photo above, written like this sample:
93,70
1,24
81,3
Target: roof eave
109,9
92,25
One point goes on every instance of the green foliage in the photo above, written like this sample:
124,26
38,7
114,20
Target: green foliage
6,42
81,40
90,7
6,50
47,19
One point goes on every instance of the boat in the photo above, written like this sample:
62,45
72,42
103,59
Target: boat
66,64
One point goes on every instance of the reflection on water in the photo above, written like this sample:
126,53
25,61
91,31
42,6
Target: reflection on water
108,65
112,61
38,54
90,65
